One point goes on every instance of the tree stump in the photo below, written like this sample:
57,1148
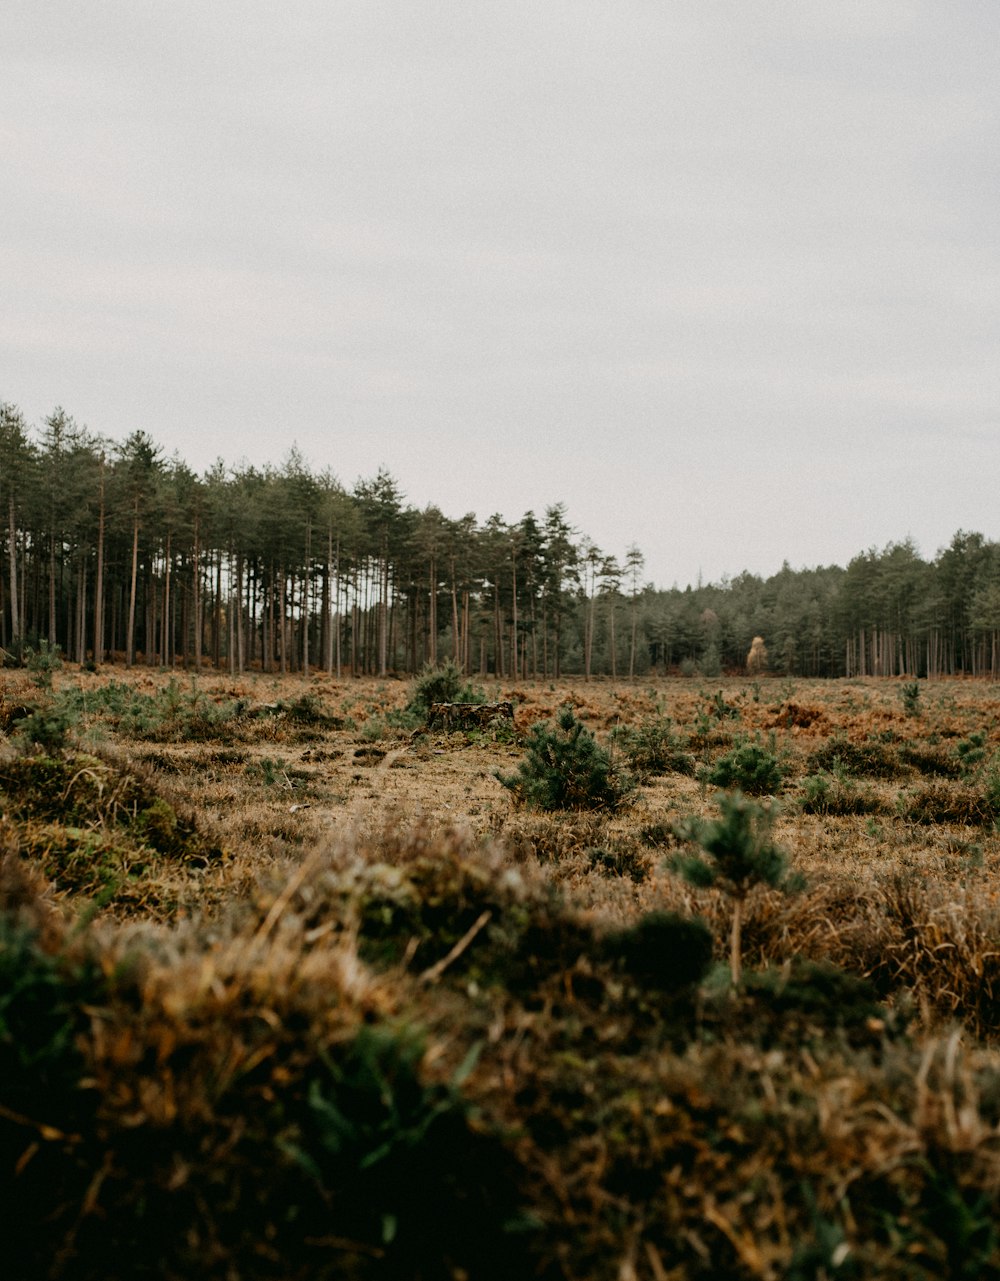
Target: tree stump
449,716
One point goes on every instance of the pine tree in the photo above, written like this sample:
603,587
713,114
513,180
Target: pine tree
737,855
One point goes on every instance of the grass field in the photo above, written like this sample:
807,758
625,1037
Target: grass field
292,986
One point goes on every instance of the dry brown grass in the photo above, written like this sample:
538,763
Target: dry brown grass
374,877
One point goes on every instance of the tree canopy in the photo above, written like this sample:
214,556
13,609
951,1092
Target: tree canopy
117,552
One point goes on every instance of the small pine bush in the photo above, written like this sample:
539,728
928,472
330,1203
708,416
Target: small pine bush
750,768
445,683
566,769
910,697
43,663
47,728
737,854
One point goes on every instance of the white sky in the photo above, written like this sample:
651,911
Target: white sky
723,277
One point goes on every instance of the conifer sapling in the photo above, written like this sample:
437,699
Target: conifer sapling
738,854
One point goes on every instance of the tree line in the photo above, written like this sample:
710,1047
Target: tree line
117,553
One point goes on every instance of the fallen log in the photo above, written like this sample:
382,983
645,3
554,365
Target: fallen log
449,716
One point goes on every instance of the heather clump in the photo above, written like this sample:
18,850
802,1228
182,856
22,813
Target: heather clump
652,747
836,794
940,802
870,758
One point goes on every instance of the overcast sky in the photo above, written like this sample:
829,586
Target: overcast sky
723,276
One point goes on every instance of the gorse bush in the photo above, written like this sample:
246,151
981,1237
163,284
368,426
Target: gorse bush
566,769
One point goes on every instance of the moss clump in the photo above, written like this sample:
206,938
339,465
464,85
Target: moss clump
82,861
95,827
663,950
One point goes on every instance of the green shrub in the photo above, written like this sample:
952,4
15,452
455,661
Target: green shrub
720,709
910,697
445,683
43,663
971,753
749,767
47,728
192,716
172,714
566,769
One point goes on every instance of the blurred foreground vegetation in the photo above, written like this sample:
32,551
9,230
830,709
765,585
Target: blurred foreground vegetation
255,1022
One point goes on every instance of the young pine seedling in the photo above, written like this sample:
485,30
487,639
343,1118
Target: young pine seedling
737,854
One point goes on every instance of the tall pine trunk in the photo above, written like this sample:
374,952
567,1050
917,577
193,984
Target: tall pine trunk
130,637
99,578
15,615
